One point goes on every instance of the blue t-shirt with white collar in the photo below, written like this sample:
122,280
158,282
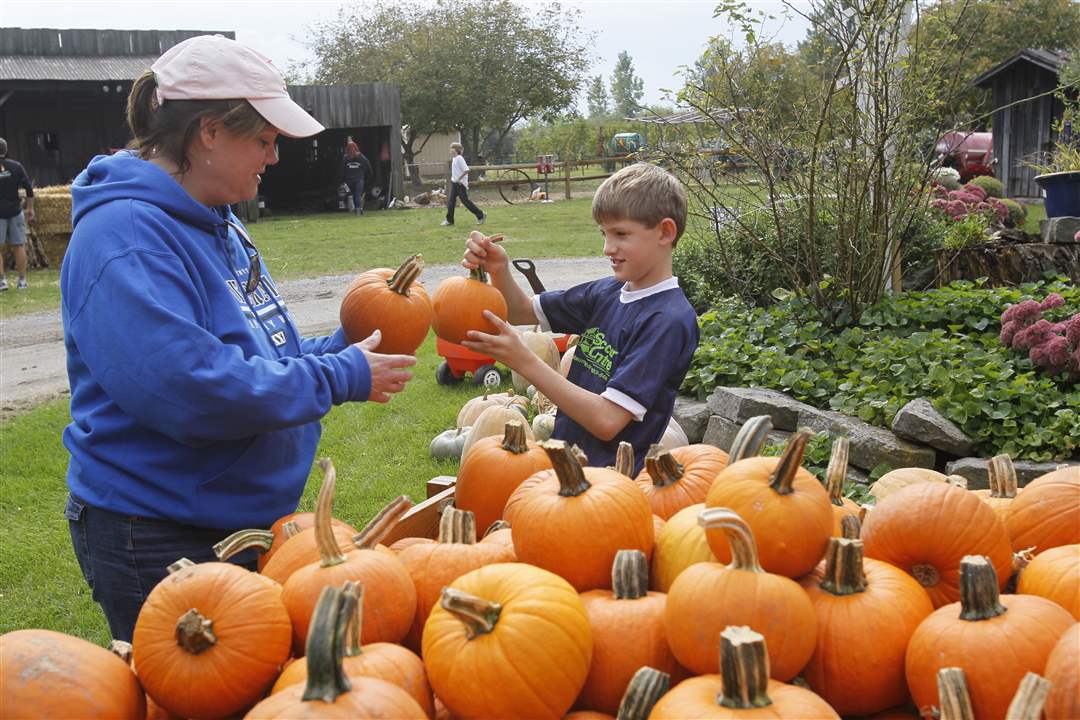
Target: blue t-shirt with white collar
635,350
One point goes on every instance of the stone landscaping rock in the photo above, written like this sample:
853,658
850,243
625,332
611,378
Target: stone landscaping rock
870,445
920,422
740,404
720,432
974,470
692,416
1059,229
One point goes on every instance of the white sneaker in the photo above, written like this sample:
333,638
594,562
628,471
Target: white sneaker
21,285
3,284
482,220
446,222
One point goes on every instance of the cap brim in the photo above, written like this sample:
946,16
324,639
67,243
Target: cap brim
288,117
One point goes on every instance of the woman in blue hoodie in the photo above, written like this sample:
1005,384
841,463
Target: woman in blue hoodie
195,403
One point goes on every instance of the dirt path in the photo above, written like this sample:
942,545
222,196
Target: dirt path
33,362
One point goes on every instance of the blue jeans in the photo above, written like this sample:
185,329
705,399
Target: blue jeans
122,557
356,187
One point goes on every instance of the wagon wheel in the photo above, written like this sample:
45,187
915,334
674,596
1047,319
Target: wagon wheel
515,186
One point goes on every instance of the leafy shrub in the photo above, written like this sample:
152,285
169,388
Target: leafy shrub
990,185
1017,213
947,177
968,230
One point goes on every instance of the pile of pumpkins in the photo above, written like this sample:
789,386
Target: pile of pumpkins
712,585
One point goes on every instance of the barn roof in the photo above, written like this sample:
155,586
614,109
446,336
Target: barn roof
1050,60
58,67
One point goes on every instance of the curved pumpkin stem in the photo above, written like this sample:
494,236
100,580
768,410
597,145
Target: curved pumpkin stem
179,565
662,466
744,669
953,695
850,527
624,459
1028,702
630,575
496,526
242,540
457,526
744,554
329,550
289,529
844,573
477,614
121,649
406,275
195,632
646,687
750,438
784,475
979,595
382,523
478,273
837,470
326,645
568,468
355,590
514,439
1002,476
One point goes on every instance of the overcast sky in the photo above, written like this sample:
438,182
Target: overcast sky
660,36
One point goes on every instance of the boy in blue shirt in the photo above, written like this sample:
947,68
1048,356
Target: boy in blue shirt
638,331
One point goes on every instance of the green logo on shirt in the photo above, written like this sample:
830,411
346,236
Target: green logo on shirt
596,353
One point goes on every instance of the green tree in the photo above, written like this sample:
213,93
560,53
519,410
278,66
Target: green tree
627,89
597,98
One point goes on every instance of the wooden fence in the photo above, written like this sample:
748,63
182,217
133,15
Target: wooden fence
563,172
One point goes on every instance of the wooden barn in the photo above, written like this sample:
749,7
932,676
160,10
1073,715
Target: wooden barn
63,96
1024,131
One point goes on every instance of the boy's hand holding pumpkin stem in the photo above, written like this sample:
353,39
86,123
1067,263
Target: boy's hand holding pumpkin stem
481,251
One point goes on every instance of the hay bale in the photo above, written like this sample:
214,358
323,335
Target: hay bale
52,210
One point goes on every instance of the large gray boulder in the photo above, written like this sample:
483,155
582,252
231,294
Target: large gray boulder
692,416
870,445
740,404
974,470
919,422
1059,230
721,432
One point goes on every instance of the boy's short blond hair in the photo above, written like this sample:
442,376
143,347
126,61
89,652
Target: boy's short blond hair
644,193
458,147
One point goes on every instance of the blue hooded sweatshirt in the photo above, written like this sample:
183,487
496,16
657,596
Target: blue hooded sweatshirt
191,400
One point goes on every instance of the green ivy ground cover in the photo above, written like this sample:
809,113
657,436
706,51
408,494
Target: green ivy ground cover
940,344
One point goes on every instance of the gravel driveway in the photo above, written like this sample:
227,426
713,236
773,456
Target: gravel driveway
33,362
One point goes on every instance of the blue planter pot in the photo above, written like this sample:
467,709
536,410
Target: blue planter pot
1062,190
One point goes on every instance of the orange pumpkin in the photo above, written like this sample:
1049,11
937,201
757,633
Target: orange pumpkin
978,635
1063,702
572,520
499,533
927,528
628,633
707,597
198,652
868,610
743,689
391,301
1001,476
835,474
385,661
493,469
459,304
47,674
784,505
898,479
1046,513
390,600
674,479
508,640
327,691
680,544
432,566
1055,575
291,525
399,545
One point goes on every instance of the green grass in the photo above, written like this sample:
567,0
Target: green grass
1035,213
380,451
299,246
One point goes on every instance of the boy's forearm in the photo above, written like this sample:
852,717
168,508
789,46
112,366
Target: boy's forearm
598,415
518,305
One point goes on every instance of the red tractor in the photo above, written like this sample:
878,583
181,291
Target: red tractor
969,153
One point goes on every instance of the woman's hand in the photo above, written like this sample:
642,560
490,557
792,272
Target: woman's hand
505,345
482,251
388,373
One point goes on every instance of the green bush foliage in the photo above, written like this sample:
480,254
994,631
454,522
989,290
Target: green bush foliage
966,231
990,185
1017,212
940,344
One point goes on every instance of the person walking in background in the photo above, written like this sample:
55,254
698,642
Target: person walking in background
355,173
459,187
13,217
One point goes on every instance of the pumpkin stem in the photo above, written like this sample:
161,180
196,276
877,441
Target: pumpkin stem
953,695
957,481
242,540
329,550
744,554
662,466
478,615
356,619
579,455
979,595
122,650
289,529
624,459
1002,475
646,687
926,574
744,669
382,523
326,645
406,275
478,273
750,438
568,468
850,527
837,470
514,439
844,567
457,526
195,633
790,462
496,526
630,575
1028,702
179,565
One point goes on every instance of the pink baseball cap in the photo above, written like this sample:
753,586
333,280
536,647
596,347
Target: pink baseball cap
213,67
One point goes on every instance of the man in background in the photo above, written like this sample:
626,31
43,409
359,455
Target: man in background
13,218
